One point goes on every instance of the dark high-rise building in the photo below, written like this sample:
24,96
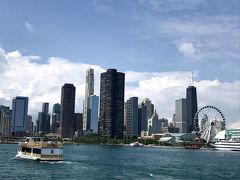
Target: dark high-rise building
56,117
112,103
19,116
131,117
191,107
44,119
150,107
78,122
5,121
37,123
67,110
142,118
56,108
29,124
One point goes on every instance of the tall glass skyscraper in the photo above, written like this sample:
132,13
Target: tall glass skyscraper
67,110
55,117
112,103
93,113
181,115
131,117
19,115
89,90
44,119
191,107
142,118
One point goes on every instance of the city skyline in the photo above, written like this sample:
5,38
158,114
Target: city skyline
157,44
180,88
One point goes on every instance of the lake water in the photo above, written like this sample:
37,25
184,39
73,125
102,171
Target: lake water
121,162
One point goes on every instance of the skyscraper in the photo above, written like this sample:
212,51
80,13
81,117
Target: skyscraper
44,119
78,122
142,118
131,117
93,113
181,115
19,116
154,126
5,121
67,110
164,125
56,108
191,107
56,117
89,90
29,124
150,107
112,103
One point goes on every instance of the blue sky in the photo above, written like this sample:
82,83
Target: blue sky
137,35
157,43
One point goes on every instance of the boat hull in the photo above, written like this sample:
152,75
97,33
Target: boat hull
22,156
190,147
229,146
29,156
227,149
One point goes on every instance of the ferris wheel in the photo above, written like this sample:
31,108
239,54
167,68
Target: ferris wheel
208,121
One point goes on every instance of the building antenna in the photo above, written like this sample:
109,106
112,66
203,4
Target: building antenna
192,79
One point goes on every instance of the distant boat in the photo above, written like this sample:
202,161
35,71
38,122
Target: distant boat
232,144
136,144
196,145
35,148
192,147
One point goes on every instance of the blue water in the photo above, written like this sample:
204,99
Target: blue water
120,162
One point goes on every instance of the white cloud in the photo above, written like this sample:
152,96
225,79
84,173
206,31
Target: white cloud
14,54
214,37
188,49
20,76
28,26
235,125
169,5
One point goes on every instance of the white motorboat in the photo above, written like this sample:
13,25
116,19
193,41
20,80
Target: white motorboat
232,144
136,144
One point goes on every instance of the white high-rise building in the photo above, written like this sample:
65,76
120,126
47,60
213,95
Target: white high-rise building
89,90
181,115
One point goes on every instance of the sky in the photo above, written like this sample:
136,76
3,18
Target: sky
157,43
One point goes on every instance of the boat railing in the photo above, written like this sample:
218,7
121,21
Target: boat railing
42,144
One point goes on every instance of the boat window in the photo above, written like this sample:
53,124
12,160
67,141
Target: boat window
25,149
52,151
37,151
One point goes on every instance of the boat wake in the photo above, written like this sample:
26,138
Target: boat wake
58,162
16,157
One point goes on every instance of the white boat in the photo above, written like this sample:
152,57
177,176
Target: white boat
232,144
35,148
136,144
